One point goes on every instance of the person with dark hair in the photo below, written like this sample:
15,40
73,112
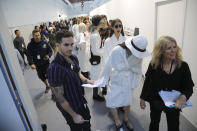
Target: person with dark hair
96,50
116,37
39,52
45,31
167,71
19,44
37,28
65,80
105,30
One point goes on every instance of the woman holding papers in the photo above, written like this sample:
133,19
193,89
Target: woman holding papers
167,71
123,71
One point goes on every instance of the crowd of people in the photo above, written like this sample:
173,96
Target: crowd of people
86,50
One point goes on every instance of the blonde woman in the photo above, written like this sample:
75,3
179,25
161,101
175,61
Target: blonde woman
167,71
83,45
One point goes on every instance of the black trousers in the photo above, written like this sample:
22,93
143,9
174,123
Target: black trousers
84,112
41,71
23,53
172,116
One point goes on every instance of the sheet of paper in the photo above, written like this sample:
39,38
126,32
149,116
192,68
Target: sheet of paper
169,96
97,83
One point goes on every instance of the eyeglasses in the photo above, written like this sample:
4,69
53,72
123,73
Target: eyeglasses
116,26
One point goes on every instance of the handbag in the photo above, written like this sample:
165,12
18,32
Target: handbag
94,59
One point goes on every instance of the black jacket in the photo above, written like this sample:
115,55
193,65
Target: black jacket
37,52
157,80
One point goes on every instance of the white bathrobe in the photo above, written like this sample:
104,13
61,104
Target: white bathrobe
83,45
110,43
123,75
95,42
75,30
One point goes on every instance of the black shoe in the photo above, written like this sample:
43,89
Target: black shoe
99,98
119,127
121,109
104,92
44,127
128,125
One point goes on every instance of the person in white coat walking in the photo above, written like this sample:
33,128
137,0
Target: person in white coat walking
123,71
96,53
83,45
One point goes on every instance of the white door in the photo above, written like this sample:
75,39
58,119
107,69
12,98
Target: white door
170,19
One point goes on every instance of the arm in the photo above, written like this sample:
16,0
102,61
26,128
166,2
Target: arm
146,87
23,43
187,87
84,79
95,43
50,52
187,82
58,93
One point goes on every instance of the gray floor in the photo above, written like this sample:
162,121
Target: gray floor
101,119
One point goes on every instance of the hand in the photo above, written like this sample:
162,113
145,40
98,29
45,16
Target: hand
103,41
142,104
46,57
78,119
90,81
33,66
181,102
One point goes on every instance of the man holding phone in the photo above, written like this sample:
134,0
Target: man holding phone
65,79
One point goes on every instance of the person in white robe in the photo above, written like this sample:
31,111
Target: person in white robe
75,31
97,50
123,71
83,45
116,37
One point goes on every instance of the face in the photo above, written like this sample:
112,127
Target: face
102,24
117,27
66,46
105,22
37,37
18,33
170,52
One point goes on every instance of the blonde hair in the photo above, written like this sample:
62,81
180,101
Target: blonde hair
159,48
82,28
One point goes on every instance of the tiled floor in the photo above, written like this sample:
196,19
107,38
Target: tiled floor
101,119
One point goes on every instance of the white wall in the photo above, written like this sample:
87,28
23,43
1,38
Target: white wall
189,54
17,74
8,111
26,12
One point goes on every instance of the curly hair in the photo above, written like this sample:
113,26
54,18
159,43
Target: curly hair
159,48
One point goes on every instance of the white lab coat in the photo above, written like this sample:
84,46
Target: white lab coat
83,45
110,43
123,74
95,42
75,30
